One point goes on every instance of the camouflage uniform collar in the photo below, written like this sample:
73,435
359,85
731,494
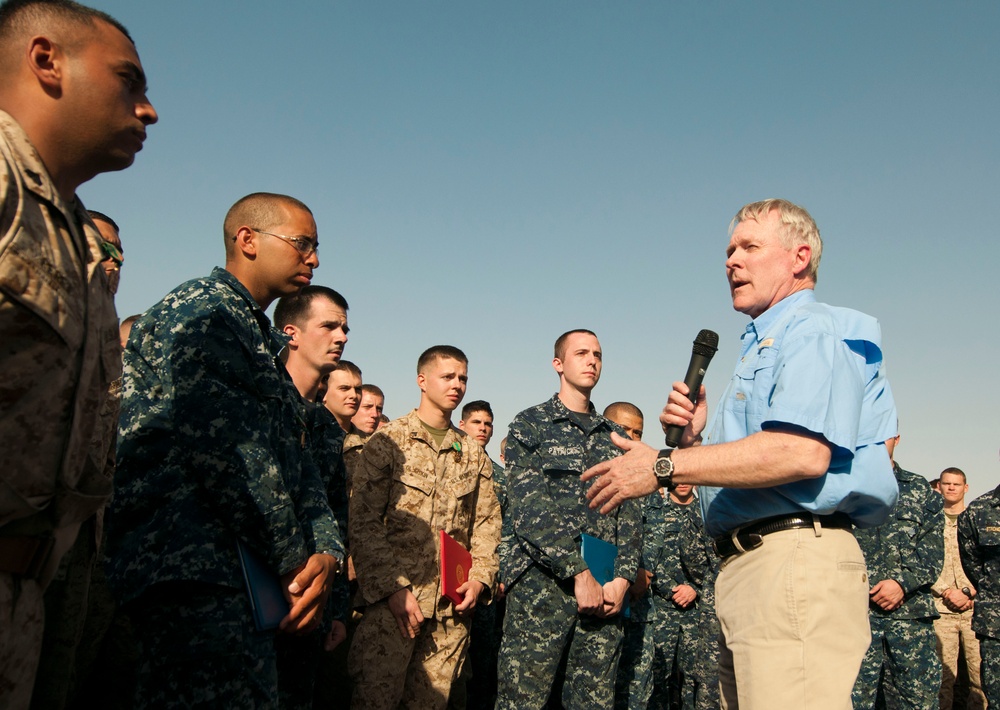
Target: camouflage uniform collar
558,411
996,496
34,175
902,474
417,431
276,339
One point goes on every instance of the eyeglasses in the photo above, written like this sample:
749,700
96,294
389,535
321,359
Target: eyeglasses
303,245
112,253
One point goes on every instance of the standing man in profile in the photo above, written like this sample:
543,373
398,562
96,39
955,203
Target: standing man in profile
72,105
213,456
315,320
555,606
795,457
979,547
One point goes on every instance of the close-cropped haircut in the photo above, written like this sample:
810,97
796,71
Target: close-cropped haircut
348,367
798,227
616,408
27,17
259,210
373,389
294,309
438,352
560,347
480,405
60,20
957,472
95,215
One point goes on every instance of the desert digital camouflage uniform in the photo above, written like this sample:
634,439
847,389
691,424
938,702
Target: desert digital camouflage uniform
353,444
70,599
902,665
979,545
300,658
212,450
548,447
698,648
405,490
954,630
59,353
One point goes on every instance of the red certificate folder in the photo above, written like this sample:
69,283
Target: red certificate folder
455,565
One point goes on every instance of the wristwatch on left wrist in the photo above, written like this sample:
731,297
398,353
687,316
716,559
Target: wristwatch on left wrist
664,469
967,592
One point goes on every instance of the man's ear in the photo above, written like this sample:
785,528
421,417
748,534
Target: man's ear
245,243
291,331
422,381
803,255
557,365
46,60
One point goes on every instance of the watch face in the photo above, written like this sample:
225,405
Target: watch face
663,466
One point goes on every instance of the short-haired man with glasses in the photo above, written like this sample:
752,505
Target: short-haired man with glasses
213,455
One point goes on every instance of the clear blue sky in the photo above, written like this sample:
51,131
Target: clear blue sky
490,175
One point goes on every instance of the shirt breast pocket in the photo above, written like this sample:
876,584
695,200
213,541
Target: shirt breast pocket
754,386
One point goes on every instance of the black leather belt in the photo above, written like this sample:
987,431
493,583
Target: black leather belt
25,555
751,536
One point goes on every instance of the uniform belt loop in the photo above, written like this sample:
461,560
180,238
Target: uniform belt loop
817,525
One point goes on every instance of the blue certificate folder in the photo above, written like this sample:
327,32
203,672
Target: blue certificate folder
263,588
600,557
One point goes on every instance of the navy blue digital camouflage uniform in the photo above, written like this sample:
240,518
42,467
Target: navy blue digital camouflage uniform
634,680
698,649
299,657
548,447
212,450
653,631
476,689
901,668
979,547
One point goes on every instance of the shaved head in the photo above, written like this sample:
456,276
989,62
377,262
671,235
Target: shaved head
259,210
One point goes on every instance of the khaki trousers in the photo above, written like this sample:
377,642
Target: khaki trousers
391,672
954,631
794,621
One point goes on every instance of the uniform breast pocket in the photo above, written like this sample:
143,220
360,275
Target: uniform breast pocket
989,537
560,466
463,489
465,485
409,502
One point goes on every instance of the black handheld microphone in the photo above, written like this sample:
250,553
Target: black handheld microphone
704,348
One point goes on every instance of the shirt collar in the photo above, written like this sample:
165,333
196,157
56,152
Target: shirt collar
772,315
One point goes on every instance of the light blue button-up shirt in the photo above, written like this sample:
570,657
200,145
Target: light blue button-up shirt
807,366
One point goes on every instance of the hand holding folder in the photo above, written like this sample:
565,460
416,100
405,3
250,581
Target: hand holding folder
456,562
600,557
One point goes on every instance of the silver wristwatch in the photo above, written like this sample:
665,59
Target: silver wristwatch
664,469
